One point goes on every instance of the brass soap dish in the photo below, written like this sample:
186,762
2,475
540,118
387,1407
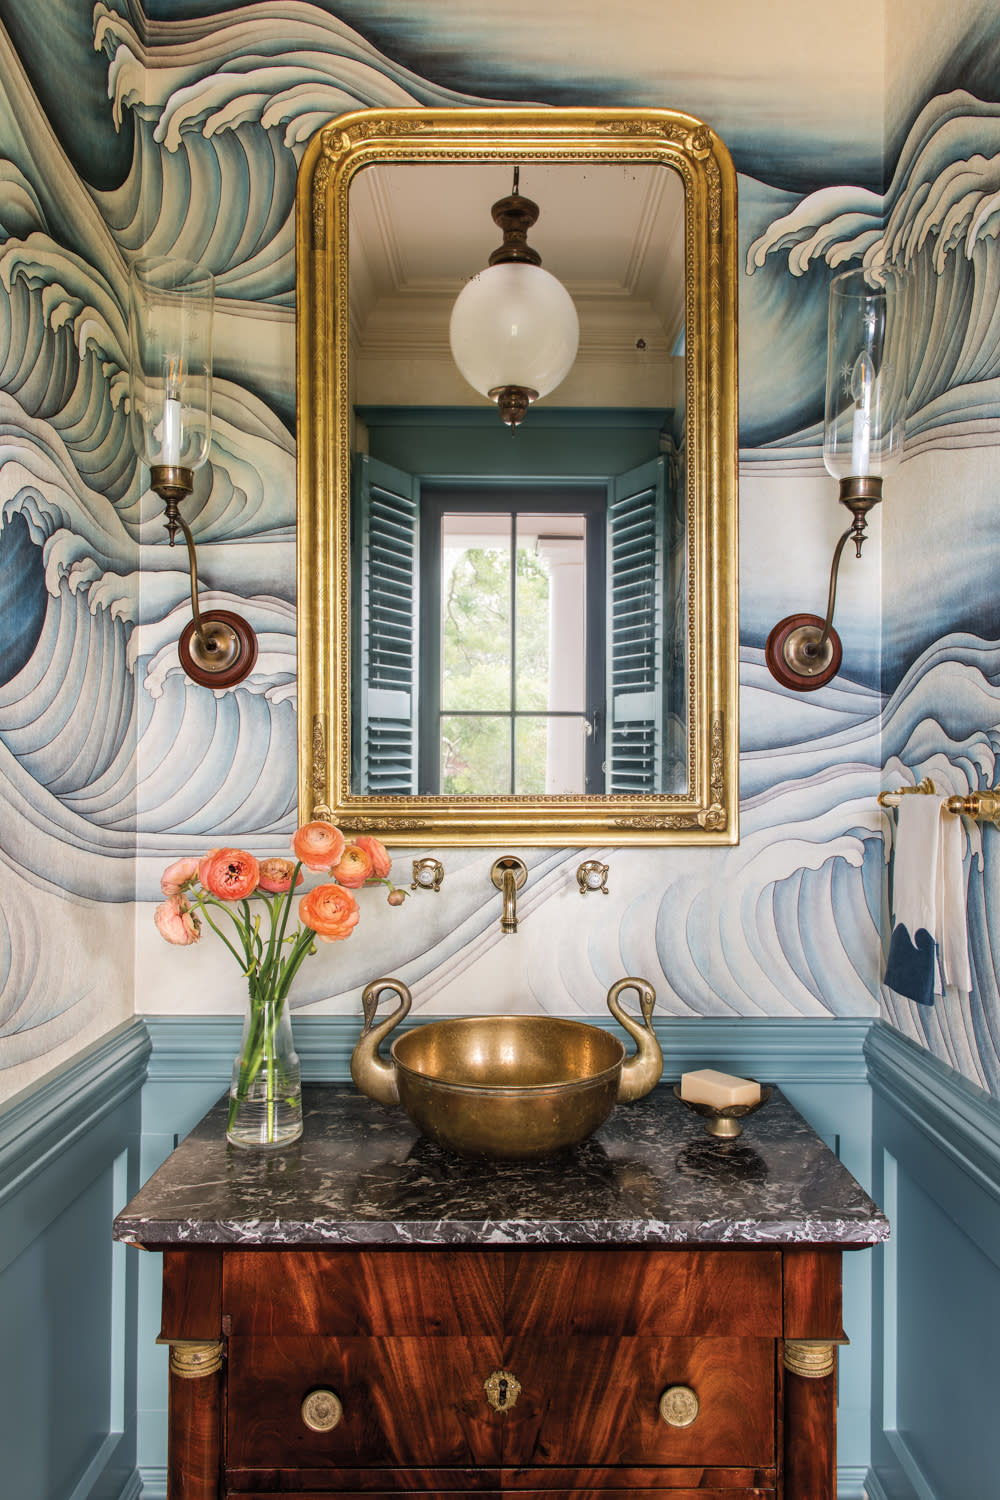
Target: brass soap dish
724,1122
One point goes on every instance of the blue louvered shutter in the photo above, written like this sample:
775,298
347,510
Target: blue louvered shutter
636,627
385,555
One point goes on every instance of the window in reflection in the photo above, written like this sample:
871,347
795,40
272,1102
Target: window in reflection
517,636
512,675
514,711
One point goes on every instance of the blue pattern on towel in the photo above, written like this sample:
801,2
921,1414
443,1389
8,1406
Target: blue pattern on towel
911,965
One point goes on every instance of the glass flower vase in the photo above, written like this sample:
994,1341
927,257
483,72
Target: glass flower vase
265,1097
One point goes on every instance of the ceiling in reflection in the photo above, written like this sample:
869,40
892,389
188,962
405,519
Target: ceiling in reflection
613,235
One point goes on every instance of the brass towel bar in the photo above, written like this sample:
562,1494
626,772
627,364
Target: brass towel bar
981,805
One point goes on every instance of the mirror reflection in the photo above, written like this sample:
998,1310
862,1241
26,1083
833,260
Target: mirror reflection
519,595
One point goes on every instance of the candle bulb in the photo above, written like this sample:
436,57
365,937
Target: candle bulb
170,448
862,386
170,431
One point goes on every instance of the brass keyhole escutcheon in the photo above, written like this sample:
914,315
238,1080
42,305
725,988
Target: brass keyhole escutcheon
502,1390
322,1410
679,1406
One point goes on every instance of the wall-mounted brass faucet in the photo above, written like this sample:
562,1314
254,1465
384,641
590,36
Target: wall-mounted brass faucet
508,875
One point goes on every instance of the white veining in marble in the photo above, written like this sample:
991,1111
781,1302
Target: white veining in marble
363,1175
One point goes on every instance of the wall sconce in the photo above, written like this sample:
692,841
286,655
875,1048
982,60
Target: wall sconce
514,331
171,304
863,441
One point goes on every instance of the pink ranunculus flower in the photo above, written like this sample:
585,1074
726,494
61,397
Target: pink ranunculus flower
353,868
230,874
396,897
330,911
377,853
177,922
318,845
276,875
177,875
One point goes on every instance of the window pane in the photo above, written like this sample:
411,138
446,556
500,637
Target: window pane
475,612
550,755
550,629
475,755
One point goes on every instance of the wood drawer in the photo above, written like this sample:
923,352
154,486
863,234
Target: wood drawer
406,1402
428,1293
594,1401
413,1402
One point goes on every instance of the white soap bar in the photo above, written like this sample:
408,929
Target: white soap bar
719,1089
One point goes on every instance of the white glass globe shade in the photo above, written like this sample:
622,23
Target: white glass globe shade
514,324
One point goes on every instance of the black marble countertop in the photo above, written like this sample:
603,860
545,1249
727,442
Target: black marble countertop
362,1175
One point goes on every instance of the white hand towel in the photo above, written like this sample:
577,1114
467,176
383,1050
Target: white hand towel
952,933
929,947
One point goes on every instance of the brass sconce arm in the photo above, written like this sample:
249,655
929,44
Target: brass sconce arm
804,652
218,648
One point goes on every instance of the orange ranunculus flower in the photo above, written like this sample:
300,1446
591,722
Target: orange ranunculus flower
353,868
318,845
230,874
330,911
177,922
276,875
177,875
377,853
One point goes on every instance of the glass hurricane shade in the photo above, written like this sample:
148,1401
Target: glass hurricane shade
171,304
514,325
865,375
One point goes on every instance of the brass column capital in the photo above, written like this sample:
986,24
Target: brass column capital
192,1359
811,1358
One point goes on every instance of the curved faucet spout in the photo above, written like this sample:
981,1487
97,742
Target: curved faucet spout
508,875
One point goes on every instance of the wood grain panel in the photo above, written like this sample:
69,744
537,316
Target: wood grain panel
370,1482
600,1480
735,1292
812,1293
810,1437
192,1294
194,1437
595,1401
526,1484
699,1493
408,1401
419,1293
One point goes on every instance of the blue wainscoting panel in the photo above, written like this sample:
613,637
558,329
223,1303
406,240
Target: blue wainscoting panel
937,1153
819,1064
69,1160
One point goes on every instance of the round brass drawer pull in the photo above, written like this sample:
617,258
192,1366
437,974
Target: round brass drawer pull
322,1410
679,1406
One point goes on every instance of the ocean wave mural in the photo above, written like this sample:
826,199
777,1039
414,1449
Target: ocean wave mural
114,763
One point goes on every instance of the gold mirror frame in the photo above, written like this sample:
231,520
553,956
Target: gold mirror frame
708,812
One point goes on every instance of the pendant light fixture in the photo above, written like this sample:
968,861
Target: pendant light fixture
514,330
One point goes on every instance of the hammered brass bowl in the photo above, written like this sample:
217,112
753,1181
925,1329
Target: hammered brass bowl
509,1088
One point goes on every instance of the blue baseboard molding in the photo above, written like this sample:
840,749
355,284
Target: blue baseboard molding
154,1482
69,1159
936,1140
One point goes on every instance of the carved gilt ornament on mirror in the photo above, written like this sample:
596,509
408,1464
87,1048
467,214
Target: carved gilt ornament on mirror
518,636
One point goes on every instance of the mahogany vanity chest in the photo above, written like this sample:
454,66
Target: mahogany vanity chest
368,1315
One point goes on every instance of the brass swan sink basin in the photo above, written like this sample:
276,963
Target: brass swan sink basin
506,1087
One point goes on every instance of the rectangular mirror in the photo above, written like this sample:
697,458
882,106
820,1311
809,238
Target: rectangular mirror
518,634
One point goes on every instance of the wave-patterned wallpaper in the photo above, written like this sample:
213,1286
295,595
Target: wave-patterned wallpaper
113,763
